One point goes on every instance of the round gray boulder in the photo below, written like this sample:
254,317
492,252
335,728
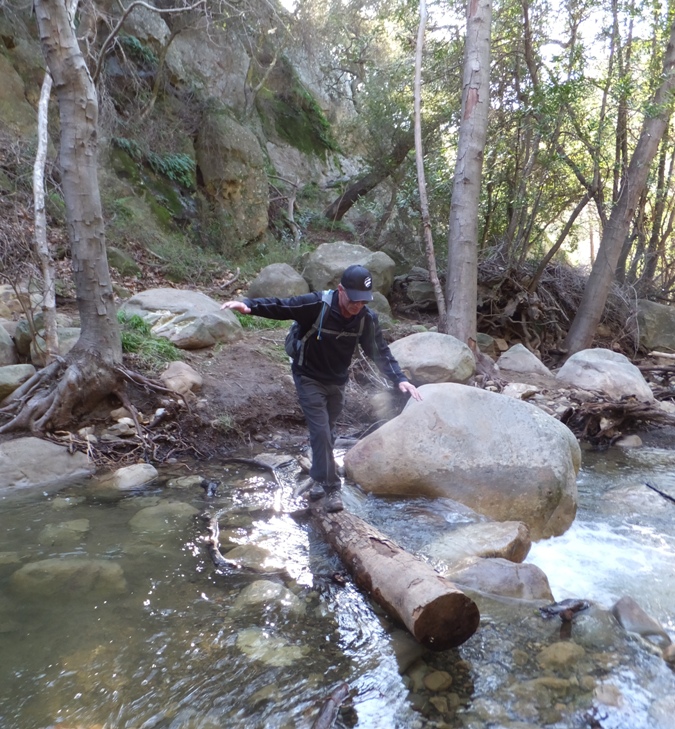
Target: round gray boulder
278,279
324,267
610,373
189,319
502,457
428,357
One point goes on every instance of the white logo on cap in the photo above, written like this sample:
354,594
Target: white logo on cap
367,282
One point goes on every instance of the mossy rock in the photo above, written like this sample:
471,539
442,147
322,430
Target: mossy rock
290,112
122,262
231,166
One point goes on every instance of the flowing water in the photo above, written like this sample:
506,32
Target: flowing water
173,644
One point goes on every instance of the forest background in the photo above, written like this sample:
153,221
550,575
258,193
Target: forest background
219,137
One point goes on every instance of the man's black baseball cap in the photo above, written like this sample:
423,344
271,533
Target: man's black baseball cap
357,283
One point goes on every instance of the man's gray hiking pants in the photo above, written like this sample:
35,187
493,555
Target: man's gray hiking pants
322,404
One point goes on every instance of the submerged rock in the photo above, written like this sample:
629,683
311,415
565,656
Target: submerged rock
259,645
269,595
507,539
165,517
501,577
68,578
635,620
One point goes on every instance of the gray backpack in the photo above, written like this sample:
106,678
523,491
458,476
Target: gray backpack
294,342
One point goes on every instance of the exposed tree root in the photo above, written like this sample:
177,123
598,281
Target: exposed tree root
57,397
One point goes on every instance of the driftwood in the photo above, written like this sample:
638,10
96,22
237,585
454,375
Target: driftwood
437,614
604,420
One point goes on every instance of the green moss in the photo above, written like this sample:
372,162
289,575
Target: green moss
289,109
161,180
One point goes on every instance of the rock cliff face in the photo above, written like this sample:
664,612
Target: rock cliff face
197,118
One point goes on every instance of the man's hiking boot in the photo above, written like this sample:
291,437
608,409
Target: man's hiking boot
334,501
316,491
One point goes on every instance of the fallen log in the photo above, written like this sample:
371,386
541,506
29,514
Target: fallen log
436,612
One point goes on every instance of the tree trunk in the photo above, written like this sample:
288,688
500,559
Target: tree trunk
462,281
339,207
595,295
56,395
78,113
42,249
435,612
421,177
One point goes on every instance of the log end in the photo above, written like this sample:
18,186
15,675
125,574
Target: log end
446,622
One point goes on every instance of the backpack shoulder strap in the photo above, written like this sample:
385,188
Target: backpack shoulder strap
326,301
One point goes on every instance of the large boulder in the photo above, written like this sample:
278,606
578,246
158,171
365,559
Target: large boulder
656,324
428,357
189,319
36,463
609,373
232,167
23,333
278,279
502,457
15,111
324,266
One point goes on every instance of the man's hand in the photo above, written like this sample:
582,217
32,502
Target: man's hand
239,306
410,389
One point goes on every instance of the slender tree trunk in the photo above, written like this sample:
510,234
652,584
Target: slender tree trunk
421,177
42,250
561,239
461,282
595,295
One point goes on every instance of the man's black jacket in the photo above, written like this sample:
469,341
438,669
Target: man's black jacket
327,359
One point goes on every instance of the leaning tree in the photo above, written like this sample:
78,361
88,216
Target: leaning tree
68,386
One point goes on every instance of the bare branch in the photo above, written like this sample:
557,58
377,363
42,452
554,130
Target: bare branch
125,15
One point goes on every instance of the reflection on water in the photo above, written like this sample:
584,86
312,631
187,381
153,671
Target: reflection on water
177,650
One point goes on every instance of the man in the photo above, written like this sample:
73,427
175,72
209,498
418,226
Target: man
322,346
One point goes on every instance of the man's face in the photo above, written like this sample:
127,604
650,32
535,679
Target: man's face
348,307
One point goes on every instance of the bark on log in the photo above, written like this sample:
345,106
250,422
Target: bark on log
437,614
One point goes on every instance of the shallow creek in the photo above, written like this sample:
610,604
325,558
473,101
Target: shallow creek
177,650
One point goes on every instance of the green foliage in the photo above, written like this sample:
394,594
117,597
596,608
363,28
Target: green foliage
259,323
186,263
179,168
137,338
138,51
227,425
320,222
